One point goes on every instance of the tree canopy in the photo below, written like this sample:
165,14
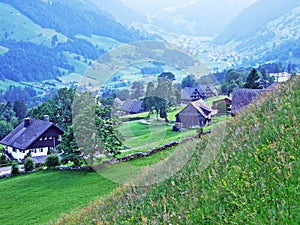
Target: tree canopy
253,80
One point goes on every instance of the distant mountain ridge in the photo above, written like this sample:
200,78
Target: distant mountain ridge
198,17
269,30
121,12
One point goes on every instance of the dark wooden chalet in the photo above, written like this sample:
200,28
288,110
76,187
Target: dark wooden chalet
189,94
32,136
195,114
209,91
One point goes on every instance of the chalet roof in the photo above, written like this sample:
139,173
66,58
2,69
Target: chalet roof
188,91
241,98
23,136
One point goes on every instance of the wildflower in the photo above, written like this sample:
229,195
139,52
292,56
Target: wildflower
224,182
292,157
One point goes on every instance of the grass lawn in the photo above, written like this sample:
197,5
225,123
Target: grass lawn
42,196
142,137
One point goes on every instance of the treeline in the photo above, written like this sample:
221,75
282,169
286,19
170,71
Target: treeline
25,94
11,115
81,47
74,17
27,61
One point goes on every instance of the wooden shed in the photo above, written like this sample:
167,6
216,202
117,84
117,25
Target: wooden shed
195,114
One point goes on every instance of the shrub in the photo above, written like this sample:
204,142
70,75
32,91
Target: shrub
52,161
29,164
3,159
15,168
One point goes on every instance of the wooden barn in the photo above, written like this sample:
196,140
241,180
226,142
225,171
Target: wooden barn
223,106
195,114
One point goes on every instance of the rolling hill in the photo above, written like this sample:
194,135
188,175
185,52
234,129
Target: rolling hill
41,40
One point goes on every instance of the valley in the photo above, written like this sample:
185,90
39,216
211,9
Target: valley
130,112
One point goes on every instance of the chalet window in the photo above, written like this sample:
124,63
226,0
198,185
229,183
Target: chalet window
50,138
14,150
45,138
41,139
41,150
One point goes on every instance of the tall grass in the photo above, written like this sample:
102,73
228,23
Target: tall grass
248,176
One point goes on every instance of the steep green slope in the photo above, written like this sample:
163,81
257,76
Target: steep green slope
248,176
74,17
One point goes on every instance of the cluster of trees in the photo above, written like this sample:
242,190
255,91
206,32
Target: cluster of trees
83,120
11,115
81,47
26,94
27,61
256,79
160,97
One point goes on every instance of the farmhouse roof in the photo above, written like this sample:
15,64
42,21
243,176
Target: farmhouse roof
132,106
27,132
241,98
273,86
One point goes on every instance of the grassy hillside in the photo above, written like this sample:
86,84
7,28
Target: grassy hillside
248,175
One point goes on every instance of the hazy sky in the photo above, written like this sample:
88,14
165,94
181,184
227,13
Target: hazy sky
150,6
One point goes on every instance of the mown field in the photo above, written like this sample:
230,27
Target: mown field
42,196
246,172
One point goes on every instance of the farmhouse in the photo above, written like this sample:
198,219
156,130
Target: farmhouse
32,136
189,94
132,106
281,77
195,114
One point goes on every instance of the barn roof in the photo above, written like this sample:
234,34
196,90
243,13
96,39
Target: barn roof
201,108
241,98
23,136
273,86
